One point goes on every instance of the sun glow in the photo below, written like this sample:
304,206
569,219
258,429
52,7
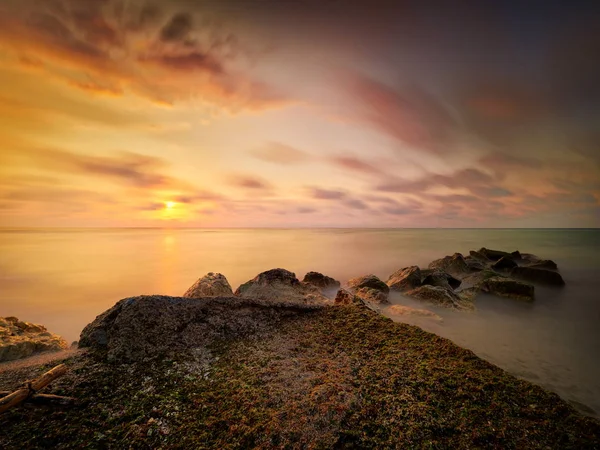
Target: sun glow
170,205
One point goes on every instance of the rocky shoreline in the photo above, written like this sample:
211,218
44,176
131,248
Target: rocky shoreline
284,363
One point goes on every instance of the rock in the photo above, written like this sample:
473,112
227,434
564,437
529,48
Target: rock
369,288
506,287
478,255
210,285
321,281
20,339
153,326
405,279
494,255
475,265
401,310
280,285
441,279
516,255
504,263
455,264
344,297
536,275
543,264
435,294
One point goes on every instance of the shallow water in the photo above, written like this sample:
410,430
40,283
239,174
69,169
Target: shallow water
63,278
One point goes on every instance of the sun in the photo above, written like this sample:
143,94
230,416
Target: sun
170,205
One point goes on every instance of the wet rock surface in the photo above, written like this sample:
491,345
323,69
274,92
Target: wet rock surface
280,285
405,279
369,288
19,339
538,275
321,281
210,285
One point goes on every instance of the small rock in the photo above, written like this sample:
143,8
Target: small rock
435,294
494,255
536,275
441,279
504,263
401,310
210,285
345,297
505,287
19,339
405,279
369,288
321,281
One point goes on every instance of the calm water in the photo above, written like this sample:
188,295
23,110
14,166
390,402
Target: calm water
64,278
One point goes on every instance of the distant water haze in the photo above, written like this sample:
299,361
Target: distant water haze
64,278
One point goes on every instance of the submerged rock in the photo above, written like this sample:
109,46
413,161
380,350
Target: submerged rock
440,278
321,281
455,264
506,287
20,339
143,327
210,285
280,285
504,263
435,294
401,310
538,275
405,279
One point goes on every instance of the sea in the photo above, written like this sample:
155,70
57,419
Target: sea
63,278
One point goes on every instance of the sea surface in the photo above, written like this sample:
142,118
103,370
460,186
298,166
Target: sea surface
64,278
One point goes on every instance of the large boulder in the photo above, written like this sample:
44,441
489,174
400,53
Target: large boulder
405,279
506,287
504,263
436,295
494,255
20,339
369,288
537,275
477,255
153,326
210,285
321,281
435,277
475,264
280,285
455,265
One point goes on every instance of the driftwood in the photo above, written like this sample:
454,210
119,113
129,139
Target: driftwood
29,392
47,399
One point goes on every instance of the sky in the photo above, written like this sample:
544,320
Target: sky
309,113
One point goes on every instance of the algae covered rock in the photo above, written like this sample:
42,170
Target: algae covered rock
152,326
455,264
280,285
406,311
506,287
435,277
504,263
19,339
346,298
405,279
210,285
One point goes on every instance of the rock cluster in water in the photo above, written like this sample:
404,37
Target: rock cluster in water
20,339
138,327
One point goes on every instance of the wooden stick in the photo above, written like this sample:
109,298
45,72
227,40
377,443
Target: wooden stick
23,394
47,398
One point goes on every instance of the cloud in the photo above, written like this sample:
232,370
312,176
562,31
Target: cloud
355,164
411,116
326,194
355,204
249,182
277,152
124,45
